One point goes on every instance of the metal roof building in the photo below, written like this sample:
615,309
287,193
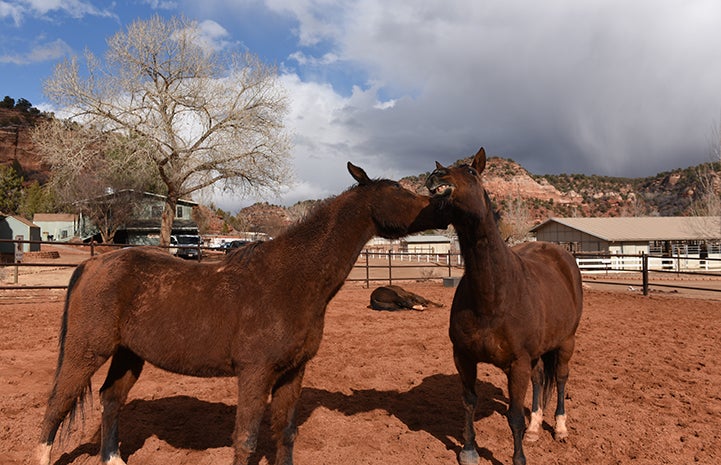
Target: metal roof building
632,235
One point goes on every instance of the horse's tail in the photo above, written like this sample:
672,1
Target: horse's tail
550,368
86,394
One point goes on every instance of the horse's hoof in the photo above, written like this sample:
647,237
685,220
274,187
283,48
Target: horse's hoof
531,436
561,432
42,454
115,460
468,457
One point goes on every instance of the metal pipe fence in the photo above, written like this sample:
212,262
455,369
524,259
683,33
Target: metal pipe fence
393,266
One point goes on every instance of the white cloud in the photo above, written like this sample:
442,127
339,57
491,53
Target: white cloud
48,51
74,8
8,10
305,60
213,36
161,4
77,9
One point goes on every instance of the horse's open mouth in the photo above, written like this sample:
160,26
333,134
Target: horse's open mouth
442,190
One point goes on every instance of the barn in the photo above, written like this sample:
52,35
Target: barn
698,235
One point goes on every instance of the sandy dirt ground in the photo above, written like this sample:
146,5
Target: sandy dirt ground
645,388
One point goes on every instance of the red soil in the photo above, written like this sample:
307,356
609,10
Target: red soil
644,389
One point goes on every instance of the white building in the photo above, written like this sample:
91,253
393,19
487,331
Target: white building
57,226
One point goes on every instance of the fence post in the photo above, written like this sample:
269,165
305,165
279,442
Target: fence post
368,276
18,250
450,270
390,268
92,246
644,272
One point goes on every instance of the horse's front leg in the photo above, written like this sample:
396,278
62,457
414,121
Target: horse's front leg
283,408
467,369
519,376
253,390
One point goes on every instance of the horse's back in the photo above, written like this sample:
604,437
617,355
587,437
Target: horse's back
556,273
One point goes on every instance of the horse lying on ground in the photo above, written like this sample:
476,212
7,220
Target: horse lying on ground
517,308
397,298
257,315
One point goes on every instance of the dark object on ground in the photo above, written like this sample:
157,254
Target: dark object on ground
397,298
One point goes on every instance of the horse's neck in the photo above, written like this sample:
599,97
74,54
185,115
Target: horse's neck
487,257
328,242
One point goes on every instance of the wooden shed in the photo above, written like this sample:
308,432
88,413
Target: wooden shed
18,228
658,235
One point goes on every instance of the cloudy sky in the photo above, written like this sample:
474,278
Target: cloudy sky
622,88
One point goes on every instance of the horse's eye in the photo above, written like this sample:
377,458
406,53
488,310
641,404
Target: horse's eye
472,171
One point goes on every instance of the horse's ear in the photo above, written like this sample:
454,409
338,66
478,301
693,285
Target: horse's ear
358,174
439,166
479,161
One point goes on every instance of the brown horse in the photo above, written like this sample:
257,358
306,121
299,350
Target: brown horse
396,298
257,315
517,308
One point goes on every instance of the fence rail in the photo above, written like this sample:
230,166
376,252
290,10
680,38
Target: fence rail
390,266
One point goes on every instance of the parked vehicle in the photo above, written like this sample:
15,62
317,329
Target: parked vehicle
186,246
232,245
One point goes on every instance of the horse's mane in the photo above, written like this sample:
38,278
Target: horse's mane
241,254
319,211
317,214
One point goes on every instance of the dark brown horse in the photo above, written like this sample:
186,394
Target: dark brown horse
257,315
517,308
396,298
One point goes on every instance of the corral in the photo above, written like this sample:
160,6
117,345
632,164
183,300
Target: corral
383,390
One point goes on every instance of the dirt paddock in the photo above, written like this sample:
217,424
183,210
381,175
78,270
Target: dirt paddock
645,388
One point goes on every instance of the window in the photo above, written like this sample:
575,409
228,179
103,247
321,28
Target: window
179,212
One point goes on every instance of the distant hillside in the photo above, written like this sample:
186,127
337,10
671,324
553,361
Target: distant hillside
666,194
16,148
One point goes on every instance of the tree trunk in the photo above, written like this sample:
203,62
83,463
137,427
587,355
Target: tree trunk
166,223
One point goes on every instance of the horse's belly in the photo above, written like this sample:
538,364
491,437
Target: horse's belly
190,365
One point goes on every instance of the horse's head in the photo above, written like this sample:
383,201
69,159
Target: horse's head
394,210
461,187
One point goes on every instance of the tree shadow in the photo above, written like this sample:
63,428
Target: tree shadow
185,422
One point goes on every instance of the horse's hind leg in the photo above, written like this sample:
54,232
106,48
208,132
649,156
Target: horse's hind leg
562,372
468,370
534,427
124,371
283,408
71,382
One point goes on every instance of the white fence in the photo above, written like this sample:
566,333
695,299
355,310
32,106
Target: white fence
679,263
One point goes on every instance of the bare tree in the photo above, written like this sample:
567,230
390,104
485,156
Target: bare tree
203,117
708,197
516,221
95,173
